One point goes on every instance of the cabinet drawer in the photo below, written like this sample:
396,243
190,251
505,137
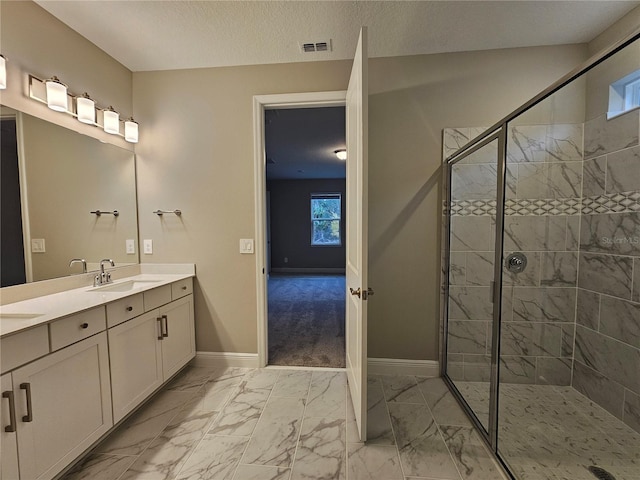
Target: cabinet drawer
77,327
181,288
157,297
124,309
21,348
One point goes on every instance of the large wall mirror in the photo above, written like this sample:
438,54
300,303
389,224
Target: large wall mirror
52,179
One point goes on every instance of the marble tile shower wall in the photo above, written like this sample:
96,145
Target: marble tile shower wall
607,345
542,220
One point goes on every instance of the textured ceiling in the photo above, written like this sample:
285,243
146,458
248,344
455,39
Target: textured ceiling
300,143
166,35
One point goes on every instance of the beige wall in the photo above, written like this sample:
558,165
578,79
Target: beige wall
36,43
197,155
616,32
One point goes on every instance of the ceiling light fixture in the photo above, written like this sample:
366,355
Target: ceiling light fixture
3,72
56,94
341,153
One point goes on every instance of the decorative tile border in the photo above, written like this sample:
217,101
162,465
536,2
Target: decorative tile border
626,202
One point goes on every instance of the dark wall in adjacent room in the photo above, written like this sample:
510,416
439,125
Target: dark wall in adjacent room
291,225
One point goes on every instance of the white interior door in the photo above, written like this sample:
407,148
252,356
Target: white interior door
357,251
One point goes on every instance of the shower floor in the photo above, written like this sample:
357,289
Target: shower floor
555,433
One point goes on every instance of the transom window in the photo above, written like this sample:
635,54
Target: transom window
326,213
624,94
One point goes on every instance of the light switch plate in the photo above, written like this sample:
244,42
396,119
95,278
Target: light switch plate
131,246
37,245
148,246
246,245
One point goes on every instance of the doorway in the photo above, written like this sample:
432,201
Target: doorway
298,270
305,191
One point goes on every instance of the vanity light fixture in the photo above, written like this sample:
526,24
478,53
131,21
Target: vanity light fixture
341,153
111,120
86,109
56,94
3,72
131,130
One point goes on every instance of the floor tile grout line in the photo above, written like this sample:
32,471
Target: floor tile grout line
453,460
256,425
199,442
178,410
304,411
393,431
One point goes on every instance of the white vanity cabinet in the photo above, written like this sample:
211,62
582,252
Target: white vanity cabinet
178,335
147,350
8,437
63,405
135,354
68,380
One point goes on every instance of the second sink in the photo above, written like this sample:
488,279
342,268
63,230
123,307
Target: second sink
124,286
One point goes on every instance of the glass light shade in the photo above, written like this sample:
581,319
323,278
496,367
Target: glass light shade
341,154
56,95
111,121
86,109
131,131
3,72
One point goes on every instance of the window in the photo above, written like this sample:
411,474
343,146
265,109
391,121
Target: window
624,94
326,211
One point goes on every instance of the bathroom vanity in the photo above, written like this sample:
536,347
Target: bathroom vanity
77,362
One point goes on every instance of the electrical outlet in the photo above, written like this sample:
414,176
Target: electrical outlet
130,246
286,259
148,246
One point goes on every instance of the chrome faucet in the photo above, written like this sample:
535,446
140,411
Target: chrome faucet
103,277
79,260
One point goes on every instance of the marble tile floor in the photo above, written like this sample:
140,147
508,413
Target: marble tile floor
291,424
555,433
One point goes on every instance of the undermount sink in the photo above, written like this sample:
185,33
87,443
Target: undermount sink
124,286
19,316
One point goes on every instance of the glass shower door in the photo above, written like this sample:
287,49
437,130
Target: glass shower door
473,190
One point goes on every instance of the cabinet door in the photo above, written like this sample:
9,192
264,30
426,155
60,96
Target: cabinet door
178,343
136,363
63,404
8,419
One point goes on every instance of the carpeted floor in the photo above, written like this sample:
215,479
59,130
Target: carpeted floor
306,320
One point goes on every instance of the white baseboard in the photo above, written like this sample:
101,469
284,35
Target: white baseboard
376,366
225,359
310,271
397,366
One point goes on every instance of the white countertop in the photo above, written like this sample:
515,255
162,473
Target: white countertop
18,316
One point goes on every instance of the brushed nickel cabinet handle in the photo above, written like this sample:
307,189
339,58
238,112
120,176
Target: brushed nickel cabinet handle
184,287
160,335
166,326
29,416
129,308
84,325
12,411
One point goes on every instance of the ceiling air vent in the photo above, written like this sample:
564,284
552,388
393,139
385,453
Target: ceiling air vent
308,47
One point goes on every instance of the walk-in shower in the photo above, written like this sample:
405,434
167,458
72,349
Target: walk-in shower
541,317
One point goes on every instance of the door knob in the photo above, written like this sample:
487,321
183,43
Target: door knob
364,294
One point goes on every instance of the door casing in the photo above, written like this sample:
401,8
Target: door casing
260,104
